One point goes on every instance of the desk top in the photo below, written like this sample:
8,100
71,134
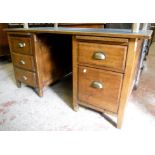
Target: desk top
121,33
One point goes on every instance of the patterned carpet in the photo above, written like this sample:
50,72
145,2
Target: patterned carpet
22,109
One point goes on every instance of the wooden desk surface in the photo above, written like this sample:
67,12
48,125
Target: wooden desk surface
121,33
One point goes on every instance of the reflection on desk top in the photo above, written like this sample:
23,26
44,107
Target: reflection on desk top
121,33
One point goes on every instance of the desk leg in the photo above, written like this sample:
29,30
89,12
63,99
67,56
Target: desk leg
76,108
75,73
75,104
18,84
119,121
128,79
39,91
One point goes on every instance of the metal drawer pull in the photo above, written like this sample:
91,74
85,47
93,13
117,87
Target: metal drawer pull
97,85
22,62
21,45
99,56
25,78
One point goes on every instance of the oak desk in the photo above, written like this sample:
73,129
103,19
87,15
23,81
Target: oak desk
103,63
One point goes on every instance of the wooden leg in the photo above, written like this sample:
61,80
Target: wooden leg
75,73
18,84
40,92
75,107
119,121
119,125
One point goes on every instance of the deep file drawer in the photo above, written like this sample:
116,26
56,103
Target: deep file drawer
99,88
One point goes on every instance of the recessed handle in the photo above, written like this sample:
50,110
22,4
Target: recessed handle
22,62
25,78
99,56
21,45
96,85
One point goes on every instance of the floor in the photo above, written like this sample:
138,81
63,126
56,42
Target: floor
22,109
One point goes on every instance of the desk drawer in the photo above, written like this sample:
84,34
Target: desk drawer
21,45
23,61
111,56
26,77
99,88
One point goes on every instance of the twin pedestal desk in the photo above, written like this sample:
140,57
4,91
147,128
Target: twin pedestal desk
103,63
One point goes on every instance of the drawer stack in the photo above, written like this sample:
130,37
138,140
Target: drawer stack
40,60
100,70
21,47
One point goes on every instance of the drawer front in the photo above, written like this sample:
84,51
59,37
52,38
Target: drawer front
21,45
23,61
111,56
99,88
26,77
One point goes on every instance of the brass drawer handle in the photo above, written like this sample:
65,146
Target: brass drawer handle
21,45
99,56
25,78
22,62
97,85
